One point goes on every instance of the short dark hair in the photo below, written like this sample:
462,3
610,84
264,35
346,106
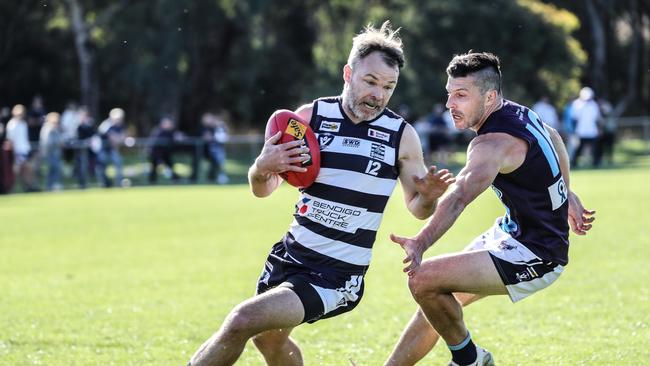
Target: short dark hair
384,40
486,67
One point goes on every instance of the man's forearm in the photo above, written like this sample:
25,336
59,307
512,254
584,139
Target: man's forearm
448,210
421,207
262,184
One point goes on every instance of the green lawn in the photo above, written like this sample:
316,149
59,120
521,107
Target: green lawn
143,276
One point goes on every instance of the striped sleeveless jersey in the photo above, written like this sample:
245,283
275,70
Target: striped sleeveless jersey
337,217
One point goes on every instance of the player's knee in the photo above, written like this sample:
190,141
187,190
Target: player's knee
422,286
240,323
268,344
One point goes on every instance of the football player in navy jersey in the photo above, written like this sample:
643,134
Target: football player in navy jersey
526,164
316,271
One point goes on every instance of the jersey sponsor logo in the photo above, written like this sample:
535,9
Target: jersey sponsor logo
330,126
377,151
558,193
522,276
324,140
378,134
295,129
331,214
350,142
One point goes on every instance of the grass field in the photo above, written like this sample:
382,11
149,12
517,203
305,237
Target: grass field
143,276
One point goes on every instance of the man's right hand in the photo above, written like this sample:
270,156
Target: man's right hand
281,158
414,250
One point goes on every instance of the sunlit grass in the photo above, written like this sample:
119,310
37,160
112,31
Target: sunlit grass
143,276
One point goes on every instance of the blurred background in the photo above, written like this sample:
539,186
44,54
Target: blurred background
120,93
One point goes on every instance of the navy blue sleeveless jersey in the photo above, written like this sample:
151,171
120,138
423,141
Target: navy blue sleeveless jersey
337,217
534,195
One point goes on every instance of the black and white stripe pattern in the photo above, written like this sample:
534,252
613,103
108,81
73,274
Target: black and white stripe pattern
337,218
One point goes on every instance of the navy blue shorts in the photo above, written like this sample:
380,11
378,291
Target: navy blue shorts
323,295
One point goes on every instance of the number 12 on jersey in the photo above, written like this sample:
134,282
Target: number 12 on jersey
373,167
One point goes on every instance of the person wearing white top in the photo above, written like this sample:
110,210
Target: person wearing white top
17,133
586,113
546,112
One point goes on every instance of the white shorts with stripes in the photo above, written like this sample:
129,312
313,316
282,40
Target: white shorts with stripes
521,270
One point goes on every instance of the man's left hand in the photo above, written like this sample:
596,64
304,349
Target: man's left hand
434,183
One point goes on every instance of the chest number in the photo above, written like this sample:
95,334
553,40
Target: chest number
373,167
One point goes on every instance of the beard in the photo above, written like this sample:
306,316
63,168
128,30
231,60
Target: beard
355,105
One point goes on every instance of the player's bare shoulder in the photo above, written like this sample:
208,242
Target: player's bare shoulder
410,145
509,150
305,111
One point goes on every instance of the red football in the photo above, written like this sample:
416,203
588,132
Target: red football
295,128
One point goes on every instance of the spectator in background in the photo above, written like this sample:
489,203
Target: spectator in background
162,145
5,116
2,131
215,135
586,113
439,136
547,112
607,137
112,134
69,124
51,144
84,156
35,118
568,129
423,129
18,134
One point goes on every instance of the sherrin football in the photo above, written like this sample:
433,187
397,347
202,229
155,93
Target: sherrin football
295,128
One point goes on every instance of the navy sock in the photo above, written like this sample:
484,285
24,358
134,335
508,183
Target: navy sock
464,353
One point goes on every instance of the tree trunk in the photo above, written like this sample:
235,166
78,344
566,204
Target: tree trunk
86,56
633,64
599,44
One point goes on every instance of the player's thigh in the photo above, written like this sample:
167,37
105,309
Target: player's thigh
467,272
277,308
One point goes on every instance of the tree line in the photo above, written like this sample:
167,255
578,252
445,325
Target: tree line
248,58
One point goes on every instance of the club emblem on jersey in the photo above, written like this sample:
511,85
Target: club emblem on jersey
330,126
378,134
377,151
324,139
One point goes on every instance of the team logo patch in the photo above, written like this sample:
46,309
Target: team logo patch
295,129
377,151
379,135
348,142
324,139
330,126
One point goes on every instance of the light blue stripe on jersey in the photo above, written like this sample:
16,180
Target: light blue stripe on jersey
547,149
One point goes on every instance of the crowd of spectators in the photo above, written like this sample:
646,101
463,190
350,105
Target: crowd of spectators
37,144
39,149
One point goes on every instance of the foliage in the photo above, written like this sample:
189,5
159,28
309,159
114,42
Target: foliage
248,58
